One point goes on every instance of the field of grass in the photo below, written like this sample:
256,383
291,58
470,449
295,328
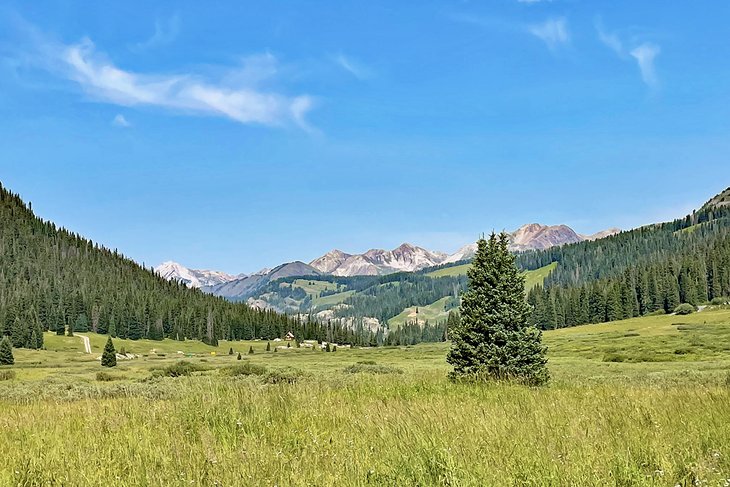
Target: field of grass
432,313
637,402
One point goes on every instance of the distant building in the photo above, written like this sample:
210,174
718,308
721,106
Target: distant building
289,336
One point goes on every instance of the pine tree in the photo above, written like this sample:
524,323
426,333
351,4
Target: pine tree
109,357
6,352
230,351
250,350
493,339
268,346
239,356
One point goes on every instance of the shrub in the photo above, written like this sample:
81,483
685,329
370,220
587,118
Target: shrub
684,309
370,367
720,300
246,368
288,375
658,312
103,376
182,368
614,357
7,374
239,356
250,350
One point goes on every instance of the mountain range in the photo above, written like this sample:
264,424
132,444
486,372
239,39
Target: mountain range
374,262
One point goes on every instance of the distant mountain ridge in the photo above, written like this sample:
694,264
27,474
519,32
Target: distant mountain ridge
192,277
374,262
535,236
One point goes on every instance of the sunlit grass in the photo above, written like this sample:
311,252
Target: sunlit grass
384,416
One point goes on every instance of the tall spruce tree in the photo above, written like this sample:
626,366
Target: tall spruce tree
109,357
493,340
6,352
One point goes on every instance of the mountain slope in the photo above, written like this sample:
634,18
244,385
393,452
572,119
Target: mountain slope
246,286
375,262
55,280
719,201
330,261
535,236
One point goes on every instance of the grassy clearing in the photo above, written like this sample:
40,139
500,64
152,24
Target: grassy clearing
432,313
532,278
377,416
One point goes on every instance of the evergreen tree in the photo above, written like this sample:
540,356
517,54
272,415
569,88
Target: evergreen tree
239,356
250,350
6,352
268,346
493,339
109,357
230,351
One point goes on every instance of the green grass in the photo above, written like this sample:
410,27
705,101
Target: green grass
432,313
311,286
385,416
331,300
453,271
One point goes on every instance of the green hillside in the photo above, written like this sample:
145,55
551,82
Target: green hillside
55,280
432,313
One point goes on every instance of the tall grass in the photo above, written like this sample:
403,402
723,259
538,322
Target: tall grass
368,429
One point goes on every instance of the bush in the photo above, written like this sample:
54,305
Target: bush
370,367
107,377
181,368
684,309
720,300
288,375
658,312
246,368
614,357
7,374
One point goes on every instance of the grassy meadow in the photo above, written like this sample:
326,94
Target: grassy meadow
639,402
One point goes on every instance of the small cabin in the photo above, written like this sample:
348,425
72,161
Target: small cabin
289,336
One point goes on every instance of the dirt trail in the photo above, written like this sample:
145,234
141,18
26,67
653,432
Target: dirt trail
87,343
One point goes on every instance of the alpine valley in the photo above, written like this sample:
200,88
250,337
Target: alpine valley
329,285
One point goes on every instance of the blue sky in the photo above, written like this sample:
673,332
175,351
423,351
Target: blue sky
238,135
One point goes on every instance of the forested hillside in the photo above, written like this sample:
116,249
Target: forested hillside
646,270
53,279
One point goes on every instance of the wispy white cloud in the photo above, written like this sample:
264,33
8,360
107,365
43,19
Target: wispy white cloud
120,121
553,32
355,68
166,31
609,39
645,55
238,93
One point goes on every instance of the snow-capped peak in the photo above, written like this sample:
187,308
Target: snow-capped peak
171,270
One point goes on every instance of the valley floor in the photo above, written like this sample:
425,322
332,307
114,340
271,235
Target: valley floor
638,402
